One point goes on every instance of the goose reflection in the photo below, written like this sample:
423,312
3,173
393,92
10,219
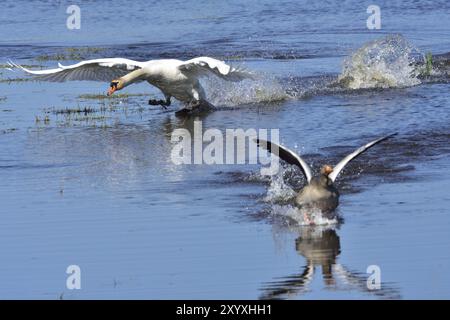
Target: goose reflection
320,246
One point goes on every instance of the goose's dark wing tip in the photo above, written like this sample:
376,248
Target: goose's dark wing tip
388,136
391,135
261,142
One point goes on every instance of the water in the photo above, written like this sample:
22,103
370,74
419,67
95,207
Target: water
99,190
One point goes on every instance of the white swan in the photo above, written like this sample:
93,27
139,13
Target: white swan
175,78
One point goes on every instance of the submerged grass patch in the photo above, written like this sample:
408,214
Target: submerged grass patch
112,97
7,66
9,130
78,114
77,110
13,80
70,54
45,119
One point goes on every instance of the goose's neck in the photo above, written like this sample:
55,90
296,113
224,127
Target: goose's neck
324,180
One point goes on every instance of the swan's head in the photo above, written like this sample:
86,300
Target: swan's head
116,84
326,170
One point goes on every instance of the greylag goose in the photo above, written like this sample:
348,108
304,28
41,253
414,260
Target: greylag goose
320,192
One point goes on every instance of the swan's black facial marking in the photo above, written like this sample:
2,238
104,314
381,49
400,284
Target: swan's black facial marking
114,84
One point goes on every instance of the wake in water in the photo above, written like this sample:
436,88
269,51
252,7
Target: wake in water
389,62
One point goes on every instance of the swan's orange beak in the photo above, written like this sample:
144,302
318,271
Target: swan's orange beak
114,86
111,90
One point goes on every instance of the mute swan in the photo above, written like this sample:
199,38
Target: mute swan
320,192
175,78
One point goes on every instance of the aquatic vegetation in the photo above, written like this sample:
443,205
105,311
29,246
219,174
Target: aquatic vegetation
45,120
7,66
2,99
428,63
9,130
71,54
15,80
111,97
72,116
94,120
78,110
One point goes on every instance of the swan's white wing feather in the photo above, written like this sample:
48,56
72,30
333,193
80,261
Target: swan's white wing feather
338,168
94,70
287,155
203,66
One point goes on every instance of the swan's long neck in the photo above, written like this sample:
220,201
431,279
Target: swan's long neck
133,76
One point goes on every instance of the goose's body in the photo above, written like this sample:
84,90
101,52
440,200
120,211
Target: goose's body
175,78
320,192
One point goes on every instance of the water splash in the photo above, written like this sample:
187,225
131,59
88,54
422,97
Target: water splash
281,196
279,191
303,216
389,62
229,94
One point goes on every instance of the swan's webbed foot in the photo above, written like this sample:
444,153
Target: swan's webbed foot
162,103
195,107
153,102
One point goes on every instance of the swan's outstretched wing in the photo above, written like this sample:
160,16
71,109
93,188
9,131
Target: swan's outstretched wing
94,70
338,168
203,66
287,155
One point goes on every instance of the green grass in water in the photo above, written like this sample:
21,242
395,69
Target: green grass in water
114,96
429,63
12,80
70,54
78,110
7,66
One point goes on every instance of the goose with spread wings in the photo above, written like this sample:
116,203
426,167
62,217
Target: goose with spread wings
175,78
320,192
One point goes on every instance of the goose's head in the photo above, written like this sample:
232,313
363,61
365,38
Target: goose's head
116,84
324,180
326,170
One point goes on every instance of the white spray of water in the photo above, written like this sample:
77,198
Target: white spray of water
279,190
389,62
383,63
229,94
303,216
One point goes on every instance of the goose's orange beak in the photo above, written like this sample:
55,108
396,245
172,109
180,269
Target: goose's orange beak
326,170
